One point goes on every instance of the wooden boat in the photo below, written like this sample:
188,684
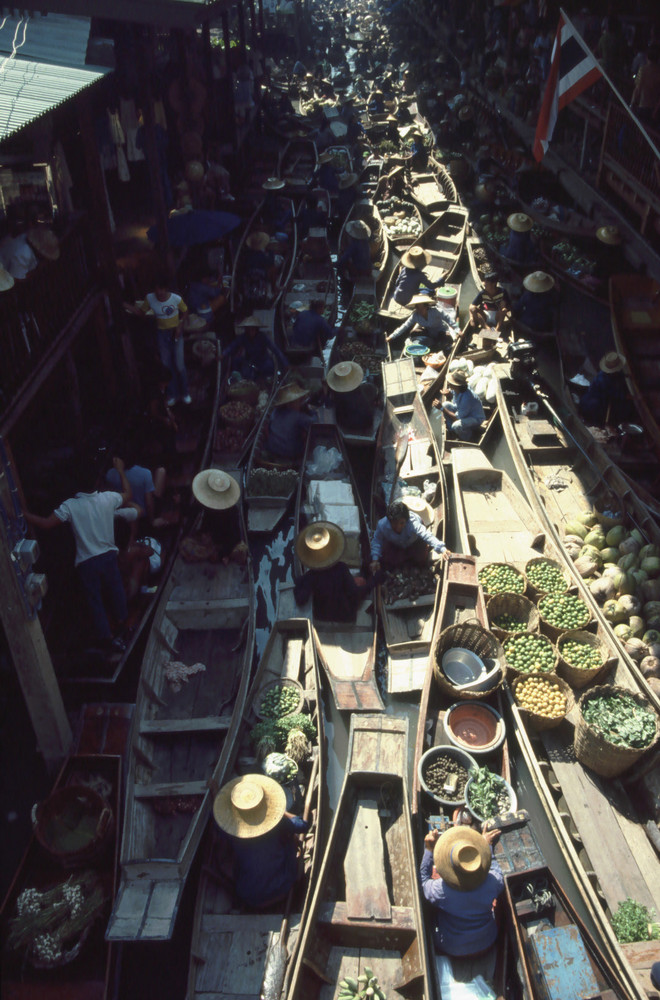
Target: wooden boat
231,444
369,351
408,622
635,311
433,190
369,174
91,974
498,525
379,244
247,295
401,217
347,652
530,184
310,280
298,162
366,910
585,283
232,947
557,953
444,240
183,743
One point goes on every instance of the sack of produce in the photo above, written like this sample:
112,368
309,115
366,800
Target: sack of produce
544,700
615,727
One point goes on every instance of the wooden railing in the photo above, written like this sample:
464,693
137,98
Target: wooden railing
37,311
630,168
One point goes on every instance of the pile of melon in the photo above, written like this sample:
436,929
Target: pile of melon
622,572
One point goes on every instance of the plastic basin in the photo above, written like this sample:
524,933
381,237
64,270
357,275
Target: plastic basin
475,727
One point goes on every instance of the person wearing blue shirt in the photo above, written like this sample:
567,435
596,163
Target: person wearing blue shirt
606,401
464,413
288,425
411,277
434,322
253,353
402,537
355,262
462,882
536,306
520,247
327,175
310,330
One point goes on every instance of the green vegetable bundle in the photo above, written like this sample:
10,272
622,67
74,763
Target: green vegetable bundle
564,611
271,735
487,794
496,578
278,701
633,922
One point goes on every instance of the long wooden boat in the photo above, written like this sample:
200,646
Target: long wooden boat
585,283
347,652
297,165
635,311
366,911
233,949
444,240
401,217
365,210
529,184
408,621
310,280
369,351
496,524
231,444
183,742
243,297
433,190
89,975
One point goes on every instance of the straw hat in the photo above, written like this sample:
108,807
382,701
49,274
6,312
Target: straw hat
375,93
462,858
45,242
416,257
420,300
194,171
457,378
539,281
611,362
257,241
325,157
273,184
320,545
289,394
345,376
519,222
358,229
249,321
419,506
205,350
298,306
249,806
339,129
466,113
215,489
347,180
6,280
194,322
609,235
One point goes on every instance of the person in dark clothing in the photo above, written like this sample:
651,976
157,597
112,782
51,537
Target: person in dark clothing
353,399
275,210
310,330
606,400
491,308
336,594
327,175
412,279
520,247
347,195
537,305
288,426
253,353
219,494
251,813
355,262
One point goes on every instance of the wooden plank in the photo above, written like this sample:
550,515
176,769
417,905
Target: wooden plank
364,866
293,654
164,789
402,917
342,962
175,727
209,614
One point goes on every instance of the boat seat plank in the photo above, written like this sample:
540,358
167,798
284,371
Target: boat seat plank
642,955
407,671
356,696
167,788
624,869
367,897
402,918
174,727
145,910
293,654
208,614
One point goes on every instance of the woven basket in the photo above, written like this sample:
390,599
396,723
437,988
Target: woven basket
245,391
518,607
521,673
481,642
534,591
541,722
553,632
52,817
597,753
524,579
289,682
579,677
227,416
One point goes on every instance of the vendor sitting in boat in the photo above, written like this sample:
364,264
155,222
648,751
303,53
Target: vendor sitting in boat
606,401
353,398
289,423
254,354
492,306
219,494
355,262
276,211
311,330
412,279
251,813
348,193
537,305
326,176
520,248
462,881
336,594
464,413
376,103
438,329
402,537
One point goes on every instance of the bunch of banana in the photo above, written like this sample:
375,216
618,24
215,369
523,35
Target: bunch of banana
365,987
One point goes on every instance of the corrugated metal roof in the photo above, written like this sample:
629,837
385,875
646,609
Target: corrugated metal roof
53,72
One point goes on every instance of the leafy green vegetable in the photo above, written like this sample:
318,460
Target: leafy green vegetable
631,922
271,735
620,719
487,793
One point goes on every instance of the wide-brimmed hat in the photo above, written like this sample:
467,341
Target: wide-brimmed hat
358,229
420,300
375,93
457,378
325,157
466,113
419,506
249,321
462,858
45,242
320,545
249,806
539,281
6,280
609,235
257,241
520,222
611,362
338,129
273,184
289,394
416,257
347,180
345,376
298,305
215,489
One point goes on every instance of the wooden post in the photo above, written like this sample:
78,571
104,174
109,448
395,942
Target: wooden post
31,657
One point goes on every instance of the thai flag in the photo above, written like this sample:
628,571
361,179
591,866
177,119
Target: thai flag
572,70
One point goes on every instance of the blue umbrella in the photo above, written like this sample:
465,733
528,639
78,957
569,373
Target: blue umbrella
191,228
